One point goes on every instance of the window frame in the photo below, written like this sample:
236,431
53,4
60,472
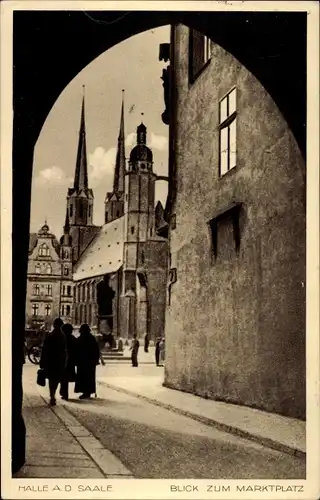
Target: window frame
194,73
35,310
49,290
225,124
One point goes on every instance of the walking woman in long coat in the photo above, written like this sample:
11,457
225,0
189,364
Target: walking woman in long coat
87,359
70,371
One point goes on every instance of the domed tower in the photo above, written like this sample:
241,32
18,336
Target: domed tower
139,226
139,206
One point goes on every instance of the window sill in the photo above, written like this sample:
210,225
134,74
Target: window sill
230,172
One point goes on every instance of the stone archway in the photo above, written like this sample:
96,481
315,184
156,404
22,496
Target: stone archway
271,45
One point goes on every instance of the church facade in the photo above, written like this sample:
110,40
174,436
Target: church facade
119,270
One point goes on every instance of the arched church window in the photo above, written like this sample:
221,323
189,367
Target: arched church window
48,269
71,210
89,210
66,270
66,254
132,229
81,210
38,268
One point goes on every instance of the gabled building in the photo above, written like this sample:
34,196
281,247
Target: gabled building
49,281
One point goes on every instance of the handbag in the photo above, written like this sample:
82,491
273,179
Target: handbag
41,377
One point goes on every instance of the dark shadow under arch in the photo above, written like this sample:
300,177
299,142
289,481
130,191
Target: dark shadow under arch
50,48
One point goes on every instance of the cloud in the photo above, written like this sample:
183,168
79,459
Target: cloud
158,142
101,165
53,176
130,140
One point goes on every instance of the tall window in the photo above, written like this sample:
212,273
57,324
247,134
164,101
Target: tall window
66,270
48,309
89,210
68,310
44,250
36,290
48,269
71,210
69,290
38,268
199,53
66,254
49,290
228,132
35,309
62,310
81,210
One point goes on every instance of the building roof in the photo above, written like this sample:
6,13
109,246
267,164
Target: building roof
43,233
104,255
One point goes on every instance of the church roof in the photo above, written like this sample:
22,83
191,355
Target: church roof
104,255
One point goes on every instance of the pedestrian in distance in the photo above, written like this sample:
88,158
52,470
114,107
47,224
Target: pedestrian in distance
162,347
70,371
87,359
146,343
54,358
101,344
134,350
157,351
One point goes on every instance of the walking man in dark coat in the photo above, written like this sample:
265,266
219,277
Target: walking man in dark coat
54,358
70,371
87,359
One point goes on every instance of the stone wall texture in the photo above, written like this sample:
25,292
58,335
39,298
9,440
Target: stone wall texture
235,329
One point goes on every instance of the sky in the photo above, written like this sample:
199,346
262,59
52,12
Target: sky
132,65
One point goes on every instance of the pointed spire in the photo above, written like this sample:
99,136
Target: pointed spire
118,182
66,226
81,174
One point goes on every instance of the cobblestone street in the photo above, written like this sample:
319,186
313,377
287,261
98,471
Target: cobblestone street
119,434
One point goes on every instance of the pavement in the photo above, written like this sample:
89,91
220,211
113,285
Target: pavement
269,429
58,446
136,428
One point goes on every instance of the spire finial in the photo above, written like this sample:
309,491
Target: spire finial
142,115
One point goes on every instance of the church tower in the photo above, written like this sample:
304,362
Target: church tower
114,202
138,226
66,284
80,198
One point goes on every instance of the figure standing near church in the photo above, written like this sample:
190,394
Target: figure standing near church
134,350
162,352
146,343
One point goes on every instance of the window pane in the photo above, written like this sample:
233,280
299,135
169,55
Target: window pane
232,101
223,151
207,48
223,110
233,143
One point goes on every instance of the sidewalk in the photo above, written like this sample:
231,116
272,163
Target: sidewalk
57,445
274,431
